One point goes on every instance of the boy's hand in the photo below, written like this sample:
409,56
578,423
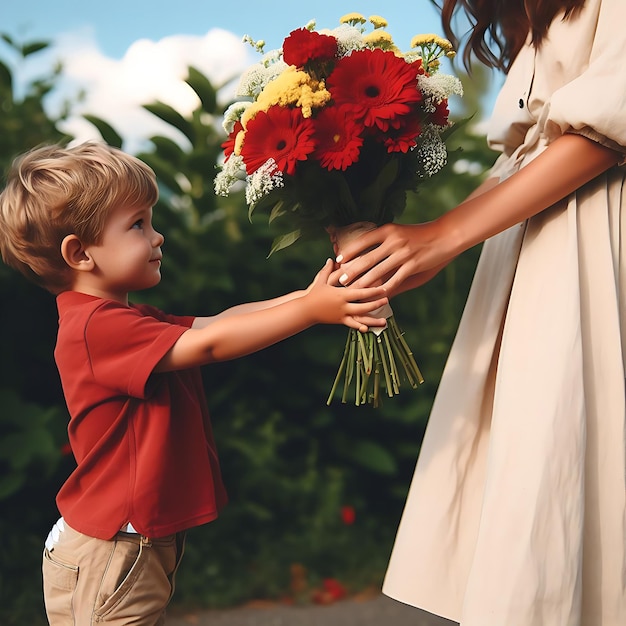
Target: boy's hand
332,304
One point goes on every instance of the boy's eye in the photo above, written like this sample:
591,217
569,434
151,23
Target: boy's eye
138,224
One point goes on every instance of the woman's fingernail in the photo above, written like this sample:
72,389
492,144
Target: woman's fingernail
343,278
339,259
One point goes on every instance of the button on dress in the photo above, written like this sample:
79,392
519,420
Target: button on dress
516,515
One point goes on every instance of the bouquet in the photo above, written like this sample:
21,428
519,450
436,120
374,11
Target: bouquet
329,134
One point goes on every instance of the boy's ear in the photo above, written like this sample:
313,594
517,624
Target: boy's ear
75,254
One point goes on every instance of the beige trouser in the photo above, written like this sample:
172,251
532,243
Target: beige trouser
127,580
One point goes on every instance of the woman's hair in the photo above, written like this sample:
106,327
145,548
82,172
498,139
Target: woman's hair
52,192
499,28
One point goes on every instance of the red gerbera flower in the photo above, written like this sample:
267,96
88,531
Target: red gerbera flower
281,134
378,84
302,46
338,138
402,136
229,145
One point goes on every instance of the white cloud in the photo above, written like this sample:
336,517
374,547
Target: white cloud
116,89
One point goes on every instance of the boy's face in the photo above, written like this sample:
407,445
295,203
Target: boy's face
128,258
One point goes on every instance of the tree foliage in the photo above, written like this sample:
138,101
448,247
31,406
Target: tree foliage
32,412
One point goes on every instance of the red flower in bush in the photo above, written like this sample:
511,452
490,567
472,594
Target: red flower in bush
229,145
377,84
302,46
348,515
331,591
338,138
279,133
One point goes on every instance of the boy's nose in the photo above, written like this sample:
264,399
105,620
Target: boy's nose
158,238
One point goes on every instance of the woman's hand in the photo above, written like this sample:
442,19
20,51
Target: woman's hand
400,256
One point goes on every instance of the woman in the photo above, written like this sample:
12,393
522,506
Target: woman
516,515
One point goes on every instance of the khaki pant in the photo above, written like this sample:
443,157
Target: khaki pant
127,580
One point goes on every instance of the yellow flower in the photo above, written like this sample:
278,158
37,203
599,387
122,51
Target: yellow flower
427,39
239,142
379,39
378,22
352,18
292,87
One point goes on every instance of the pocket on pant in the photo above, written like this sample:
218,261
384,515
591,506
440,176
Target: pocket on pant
125,564
59,583
135,582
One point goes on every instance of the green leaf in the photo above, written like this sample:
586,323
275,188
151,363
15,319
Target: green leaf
172,117
109,134
10,484
168,149
284,241
6,78
374,457
35,46
204,88
277,211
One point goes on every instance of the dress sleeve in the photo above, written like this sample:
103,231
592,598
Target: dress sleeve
594,103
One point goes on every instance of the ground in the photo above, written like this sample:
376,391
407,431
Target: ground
362,611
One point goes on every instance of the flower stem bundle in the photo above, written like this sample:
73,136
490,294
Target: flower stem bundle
373,361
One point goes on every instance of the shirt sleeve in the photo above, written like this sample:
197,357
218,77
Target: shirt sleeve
594,103
124,344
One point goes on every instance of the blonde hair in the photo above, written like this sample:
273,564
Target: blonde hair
52,192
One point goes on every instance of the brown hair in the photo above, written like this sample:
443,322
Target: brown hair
52,192
499,28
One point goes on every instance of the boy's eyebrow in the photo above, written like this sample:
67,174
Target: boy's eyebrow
140,212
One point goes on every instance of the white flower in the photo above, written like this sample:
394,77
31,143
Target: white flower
233,114
230,173
412,55
348,39
264,180
254,79
438,87
433,154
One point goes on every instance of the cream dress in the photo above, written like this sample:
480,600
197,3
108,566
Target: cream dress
516,515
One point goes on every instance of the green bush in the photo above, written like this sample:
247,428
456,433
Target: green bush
291,464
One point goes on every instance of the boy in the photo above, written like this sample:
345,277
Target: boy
78,221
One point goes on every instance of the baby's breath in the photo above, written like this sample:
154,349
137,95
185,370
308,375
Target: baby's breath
230,172
256,77
233,114
438,87
257,45
348,39
433,154
262,181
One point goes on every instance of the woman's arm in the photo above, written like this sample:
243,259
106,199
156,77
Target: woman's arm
232,336
404,253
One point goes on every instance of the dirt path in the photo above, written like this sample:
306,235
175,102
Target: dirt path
377,611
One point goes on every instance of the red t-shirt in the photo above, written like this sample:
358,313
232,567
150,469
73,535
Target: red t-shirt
142,441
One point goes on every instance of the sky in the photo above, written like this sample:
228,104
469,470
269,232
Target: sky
123,54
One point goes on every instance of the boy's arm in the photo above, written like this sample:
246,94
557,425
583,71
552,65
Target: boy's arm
235,335
248,307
